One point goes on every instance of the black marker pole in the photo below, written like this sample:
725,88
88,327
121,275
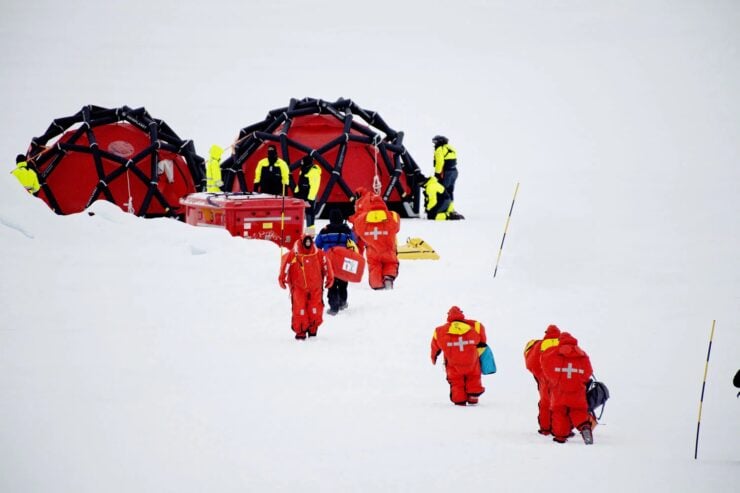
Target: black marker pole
506,228
703,385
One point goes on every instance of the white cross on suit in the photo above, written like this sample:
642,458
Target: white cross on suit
569,370
460,343
376,232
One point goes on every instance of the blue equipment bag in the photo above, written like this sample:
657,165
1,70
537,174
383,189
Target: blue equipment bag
487,362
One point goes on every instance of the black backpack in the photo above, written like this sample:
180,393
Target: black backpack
597,394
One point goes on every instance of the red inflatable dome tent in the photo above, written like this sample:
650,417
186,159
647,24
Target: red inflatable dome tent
120,155
354,148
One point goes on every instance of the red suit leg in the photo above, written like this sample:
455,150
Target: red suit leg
577,409
561,425
473,384
375,271
315,311
544,415
390,265
300,320
579,417
456,379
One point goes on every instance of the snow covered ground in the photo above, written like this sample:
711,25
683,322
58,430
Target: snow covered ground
148,355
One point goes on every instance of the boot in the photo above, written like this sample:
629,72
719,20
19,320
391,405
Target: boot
472,399
388,282
588,437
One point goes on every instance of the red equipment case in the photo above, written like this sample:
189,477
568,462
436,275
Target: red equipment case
348,265
248,215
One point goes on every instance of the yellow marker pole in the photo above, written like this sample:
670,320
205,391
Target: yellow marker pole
282,223
506,228
703,385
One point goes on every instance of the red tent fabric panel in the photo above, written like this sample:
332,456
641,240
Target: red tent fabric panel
315,131
75,177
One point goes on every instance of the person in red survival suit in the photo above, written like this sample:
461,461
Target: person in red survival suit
360,202
377,227
567,368
459,340
532,354
307,271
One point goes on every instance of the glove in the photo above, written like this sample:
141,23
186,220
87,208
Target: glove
434,361
281,282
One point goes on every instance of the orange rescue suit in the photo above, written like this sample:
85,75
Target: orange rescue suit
378,227
306,271
459,340
567,368
532,359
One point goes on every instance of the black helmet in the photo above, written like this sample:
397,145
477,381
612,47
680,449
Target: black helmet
20,158
335,217
439,140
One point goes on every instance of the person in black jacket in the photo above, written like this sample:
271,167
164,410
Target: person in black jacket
272,174
309,181
336,233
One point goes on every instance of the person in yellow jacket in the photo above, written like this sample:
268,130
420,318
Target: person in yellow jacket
26,175
213,170
307,188
445,164
272,174
437,202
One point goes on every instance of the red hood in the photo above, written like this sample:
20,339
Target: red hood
552,332
455,313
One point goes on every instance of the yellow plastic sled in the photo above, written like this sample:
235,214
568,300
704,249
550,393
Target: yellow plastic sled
416,249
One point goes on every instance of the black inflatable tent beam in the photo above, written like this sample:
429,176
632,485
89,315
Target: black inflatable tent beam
397,167
161,137
96,156
132,117
336,172
251,137
244,149
373,137
153,136
376,121
124,165
392,173
371,120
140,118
259,137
